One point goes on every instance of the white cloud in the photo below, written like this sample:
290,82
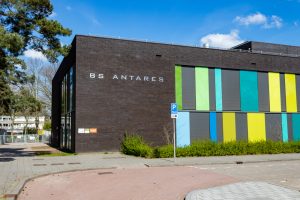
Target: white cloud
53,15
33,54
68,8
95,21
275,22
260,19
255,19
224,41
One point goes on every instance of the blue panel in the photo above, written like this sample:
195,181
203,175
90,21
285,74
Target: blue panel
296,126
213,126
284,124
218,83
249,91
183,129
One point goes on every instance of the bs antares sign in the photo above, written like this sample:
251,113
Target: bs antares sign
128,77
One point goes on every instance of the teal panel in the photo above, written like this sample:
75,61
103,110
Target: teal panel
284,124
218,85
296,127
183,129
249,91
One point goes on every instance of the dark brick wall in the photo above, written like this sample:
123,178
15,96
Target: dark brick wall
115,106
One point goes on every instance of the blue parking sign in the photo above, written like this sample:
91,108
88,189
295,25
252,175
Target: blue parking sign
174,109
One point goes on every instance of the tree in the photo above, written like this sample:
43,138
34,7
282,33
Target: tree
25,24
47,125
41,87
28,105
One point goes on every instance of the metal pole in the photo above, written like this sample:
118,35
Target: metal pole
174,139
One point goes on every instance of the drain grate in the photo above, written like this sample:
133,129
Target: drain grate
239,162
103,173
57,164
38,159
74,163
114,157
39,164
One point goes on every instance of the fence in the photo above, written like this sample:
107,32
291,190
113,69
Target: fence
30,138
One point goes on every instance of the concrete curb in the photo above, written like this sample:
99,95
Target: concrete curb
15,196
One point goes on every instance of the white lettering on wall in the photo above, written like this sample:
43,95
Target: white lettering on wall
101,76
92,75
125,77
115,77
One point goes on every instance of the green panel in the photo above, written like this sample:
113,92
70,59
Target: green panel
178,86
249,91
202,88
296,126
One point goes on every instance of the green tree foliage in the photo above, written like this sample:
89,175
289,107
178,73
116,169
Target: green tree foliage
25,24
47,125
27,104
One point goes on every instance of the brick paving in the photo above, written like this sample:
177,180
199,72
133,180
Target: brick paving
18,164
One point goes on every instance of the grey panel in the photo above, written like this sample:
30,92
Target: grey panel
263,92
241,126
290,127
282,92
188,88
199,126
298,91
212,90
219,127
273,127
231,90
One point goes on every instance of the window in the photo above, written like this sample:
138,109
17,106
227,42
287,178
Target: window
67,109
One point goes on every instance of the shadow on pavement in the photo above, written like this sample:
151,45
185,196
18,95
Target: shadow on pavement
6,159
14,152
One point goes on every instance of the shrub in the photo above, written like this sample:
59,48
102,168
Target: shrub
135,145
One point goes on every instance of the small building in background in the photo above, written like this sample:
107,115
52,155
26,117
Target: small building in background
20,123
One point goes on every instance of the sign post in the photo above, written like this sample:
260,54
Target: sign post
174,115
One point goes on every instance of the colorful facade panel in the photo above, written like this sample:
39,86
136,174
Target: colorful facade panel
224,105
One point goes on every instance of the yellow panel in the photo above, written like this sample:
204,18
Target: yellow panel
229,131
290,92
256,127
274,92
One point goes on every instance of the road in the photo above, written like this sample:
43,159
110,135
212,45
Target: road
121,174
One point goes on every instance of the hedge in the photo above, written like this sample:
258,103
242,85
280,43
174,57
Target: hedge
135,145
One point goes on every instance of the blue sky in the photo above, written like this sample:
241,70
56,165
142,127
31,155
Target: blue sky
219,23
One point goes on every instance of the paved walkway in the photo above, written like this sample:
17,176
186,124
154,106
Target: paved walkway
165,183
18,164
245,191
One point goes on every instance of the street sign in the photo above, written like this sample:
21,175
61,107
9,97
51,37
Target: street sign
174,109
174,116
